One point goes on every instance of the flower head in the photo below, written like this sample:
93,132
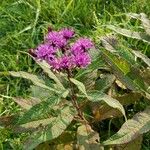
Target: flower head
82,60
67,33
81,45
60,55
55,64
56,39
67,62
44,50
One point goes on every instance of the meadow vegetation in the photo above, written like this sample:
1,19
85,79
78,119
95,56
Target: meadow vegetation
120,70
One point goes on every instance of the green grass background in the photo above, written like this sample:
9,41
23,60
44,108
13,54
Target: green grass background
24,22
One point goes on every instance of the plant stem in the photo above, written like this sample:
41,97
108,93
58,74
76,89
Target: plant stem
74,98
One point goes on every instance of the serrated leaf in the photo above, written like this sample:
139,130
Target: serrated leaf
110,43
89,80
87,138
40,93
79,85
131,34
144,19
105,82
142,56
126,73
46,69
63,142
116,62
33,78
121,64
118,48
133,15
39,110
146,76
26,103
51,131
145,22
102,112
33,125
131,129
98,96
133,145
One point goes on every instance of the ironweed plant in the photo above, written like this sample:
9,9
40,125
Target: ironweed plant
64,56
82,86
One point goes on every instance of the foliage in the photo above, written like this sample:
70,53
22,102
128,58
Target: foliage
97,107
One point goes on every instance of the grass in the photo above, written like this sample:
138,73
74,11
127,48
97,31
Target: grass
23,24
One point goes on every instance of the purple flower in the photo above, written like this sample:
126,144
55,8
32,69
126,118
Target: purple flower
82,60
60,55
77,49
67,62
81,45
67,33
64,62
55,64
44,50
56,39
86,43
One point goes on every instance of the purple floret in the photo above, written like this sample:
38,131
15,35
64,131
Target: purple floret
86,43
67,33
67,62
56,39
76,49
44,50
82,60
81,45
55,64
64,62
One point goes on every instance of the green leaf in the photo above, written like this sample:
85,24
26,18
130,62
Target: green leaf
51,131
26,103
87,138
40,93
104,111
110,43
113,45
142,56
89,80
133,145
104,82
46,69
131,34
144,19
33,125
145,22
79,85
33,78
146,76
127,74
97,96
131,129
39,110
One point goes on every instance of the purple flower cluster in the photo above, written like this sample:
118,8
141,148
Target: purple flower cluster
61,54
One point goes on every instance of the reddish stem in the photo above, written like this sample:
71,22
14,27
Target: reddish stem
74,97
